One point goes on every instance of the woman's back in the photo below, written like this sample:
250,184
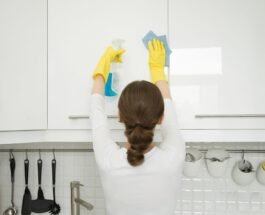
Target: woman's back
149,188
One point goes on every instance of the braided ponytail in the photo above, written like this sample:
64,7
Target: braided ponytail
139,139
141,106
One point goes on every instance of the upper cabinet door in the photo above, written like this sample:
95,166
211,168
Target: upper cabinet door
217,69
23,65
79,32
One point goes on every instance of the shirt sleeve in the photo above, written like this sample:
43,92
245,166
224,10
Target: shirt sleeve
103,145
172,138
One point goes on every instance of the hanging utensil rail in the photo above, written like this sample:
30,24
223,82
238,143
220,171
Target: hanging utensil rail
91,150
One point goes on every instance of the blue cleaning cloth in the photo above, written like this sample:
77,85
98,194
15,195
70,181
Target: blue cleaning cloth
150,36
163,38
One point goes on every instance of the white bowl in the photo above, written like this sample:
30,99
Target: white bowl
260,173
240,177
192,169
215,168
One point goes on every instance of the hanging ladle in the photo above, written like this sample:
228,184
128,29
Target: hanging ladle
12,210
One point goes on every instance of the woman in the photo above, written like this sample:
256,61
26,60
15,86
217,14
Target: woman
139,178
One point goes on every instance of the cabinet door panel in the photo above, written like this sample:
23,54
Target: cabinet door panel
23,65
218,55
79,32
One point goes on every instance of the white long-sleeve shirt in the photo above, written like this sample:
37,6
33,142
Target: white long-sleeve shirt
148,189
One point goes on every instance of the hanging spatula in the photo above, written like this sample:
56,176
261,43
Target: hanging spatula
26,203
40,205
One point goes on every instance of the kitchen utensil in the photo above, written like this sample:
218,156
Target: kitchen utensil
243,172
40,205
12,210
245,166
55,208
26,202
260,173
193,162
216,162
189,157
217,159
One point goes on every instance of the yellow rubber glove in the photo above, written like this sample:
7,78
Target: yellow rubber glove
103,66
157,59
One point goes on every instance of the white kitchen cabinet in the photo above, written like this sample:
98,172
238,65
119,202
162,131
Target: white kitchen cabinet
217,72
23,65
78,33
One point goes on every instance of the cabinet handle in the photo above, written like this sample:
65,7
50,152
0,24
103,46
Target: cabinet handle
229,115
87,117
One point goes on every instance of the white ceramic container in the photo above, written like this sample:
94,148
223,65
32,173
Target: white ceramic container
192,168
217,169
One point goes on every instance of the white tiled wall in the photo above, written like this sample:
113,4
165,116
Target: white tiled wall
70,167
207,195
201,195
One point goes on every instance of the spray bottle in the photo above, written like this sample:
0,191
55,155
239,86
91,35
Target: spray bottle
112,84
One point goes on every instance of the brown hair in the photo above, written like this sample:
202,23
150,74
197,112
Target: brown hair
141,106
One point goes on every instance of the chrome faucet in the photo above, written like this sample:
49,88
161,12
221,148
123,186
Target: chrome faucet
76,201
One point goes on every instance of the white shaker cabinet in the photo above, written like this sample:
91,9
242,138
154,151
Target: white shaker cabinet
23,64
78,34
218,63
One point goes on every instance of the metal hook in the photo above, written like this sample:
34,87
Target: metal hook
243,155
11,156
26,154
39,154
53,152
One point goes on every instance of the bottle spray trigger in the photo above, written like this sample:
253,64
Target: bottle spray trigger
112,84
